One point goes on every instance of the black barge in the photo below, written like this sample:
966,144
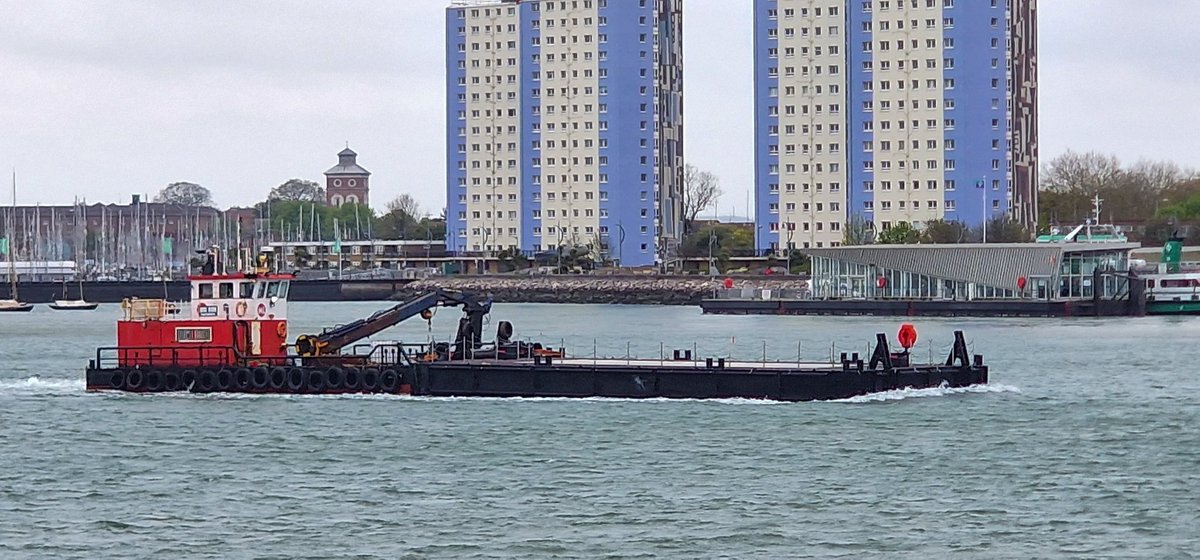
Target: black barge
231,337
532,371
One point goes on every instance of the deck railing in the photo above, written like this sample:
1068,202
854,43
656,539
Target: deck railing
136,309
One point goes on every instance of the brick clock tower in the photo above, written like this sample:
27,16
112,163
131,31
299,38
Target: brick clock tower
346,182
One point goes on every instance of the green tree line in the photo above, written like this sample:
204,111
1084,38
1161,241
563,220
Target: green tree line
1160,195
297,210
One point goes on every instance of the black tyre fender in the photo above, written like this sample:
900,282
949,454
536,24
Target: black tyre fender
187,380
154,380
389,381
335,379
278,379
314,380
242,378
134,380
352,379
370,380
206,381
260,378
295,380
116,379
224,379
171,381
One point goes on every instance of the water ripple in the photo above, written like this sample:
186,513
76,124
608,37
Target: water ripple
1079,449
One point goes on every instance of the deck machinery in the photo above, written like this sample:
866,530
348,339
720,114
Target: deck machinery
232,337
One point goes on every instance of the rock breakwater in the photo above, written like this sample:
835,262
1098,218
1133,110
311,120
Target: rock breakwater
646,290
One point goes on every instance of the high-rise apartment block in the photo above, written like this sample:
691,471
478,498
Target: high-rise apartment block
876,112
565,126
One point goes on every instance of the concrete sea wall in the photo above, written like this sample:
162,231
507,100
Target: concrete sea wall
654,290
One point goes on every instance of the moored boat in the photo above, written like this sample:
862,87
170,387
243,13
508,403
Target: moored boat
73,305
12,305
1173,287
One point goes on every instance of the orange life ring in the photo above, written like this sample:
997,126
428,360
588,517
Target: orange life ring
281,329
262,309
240,309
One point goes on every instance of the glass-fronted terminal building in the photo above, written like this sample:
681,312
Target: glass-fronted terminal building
1046,271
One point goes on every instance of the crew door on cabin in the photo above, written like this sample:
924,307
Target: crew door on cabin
241,338
247,338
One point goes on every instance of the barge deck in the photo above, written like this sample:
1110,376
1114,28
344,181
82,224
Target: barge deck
553,376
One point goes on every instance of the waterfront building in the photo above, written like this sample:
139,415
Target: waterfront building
972,271
565,126
347,182
877,112
360,255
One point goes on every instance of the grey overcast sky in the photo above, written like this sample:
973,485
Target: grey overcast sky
104,99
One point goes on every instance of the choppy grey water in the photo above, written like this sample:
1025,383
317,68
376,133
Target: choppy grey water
1087,445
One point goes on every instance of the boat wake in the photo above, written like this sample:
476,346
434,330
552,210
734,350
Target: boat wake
943,391
38,386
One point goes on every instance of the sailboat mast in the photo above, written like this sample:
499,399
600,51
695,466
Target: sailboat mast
12,269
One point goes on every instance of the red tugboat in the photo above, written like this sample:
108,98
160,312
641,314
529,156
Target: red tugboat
233,337
241,314
234,324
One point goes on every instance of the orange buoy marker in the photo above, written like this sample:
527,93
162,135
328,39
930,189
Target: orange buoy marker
907,335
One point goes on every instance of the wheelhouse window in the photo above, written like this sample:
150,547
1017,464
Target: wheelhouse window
204,290
283,289
262,290
272,289
193,334
226,289
246,290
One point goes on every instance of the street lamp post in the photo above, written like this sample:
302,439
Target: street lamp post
481,268
561,236
791,231
428,242
712,240
620,244
983,187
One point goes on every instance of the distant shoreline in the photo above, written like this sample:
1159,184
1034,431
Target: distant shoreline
649,290
617,289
